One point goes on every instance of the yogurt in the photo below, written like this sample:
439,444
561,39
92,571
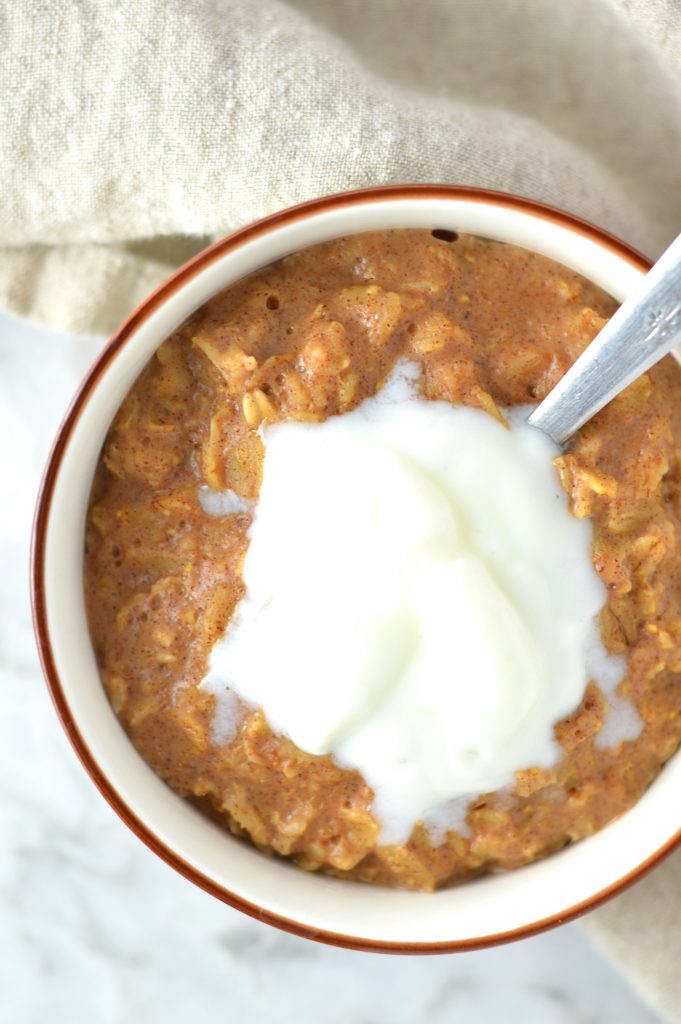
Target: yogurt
419,601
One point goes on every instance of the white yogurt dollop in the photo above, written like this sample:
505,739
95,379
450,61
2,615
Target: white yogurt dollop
419,601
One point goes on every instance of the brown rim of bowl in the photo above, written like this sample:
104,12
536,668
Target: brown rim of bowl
38,544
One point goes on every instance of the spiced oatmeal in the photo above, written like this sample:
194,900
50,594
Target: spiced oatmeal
486,326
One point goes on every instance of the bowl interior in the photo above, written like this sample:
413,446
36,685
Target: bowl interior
477,913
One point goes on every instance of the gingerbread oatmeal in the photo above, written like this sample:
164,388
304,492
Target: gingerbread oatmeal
489,326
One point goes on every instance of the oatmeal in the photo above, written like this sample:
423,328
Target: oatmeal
488,326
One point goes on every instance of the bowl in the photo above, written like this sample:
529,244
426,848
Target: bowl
489,910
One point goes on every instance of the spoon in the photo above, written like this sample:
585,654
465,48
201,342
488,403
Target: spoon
643,330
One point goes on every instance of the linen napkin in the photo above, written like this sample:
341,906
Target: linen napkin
133,132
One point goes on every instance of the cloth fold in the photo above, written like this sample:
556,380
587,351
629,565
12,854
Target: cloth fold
125,121
133,133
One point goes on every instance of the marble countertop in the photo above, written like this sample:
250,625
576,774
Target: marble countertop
95,929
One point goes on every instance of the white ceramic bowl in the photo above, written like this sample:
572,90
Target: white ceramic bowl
482,912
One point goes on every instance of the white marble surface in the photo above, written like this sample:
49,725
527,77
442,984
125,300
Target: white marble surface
95,929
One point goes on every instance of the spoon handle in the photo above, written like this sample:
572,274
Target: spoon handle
645,327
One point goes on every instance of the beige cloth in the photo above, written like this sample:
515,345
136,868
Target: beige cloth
133,131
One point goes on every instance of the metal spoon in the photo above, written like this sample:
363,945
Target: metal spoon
645,327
